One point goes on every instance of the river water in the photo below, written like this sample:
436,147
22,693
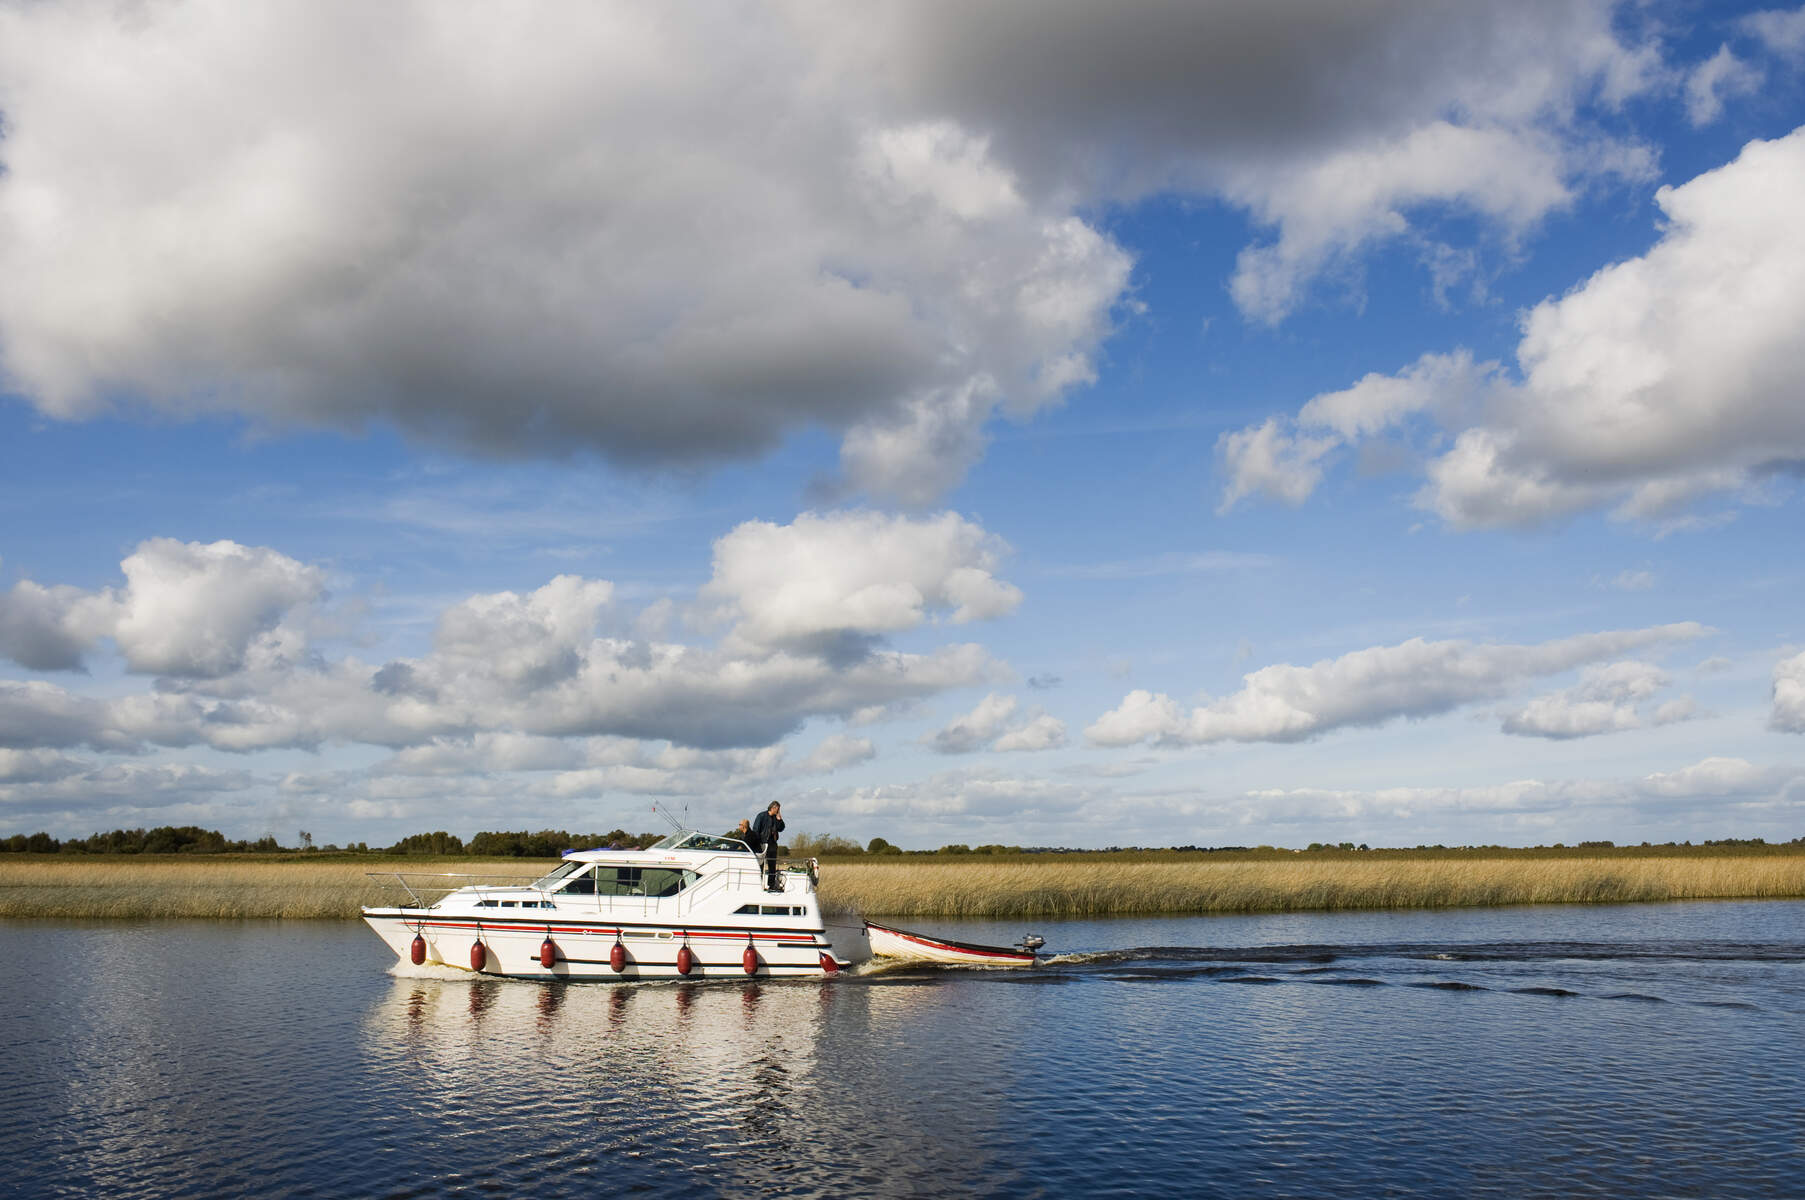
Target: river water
1625,1051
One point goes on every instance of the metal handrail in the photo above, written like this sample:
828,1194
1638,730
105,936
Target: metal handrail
402,877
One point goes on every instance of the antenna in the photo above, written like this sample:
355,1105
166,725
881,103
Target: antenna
664,812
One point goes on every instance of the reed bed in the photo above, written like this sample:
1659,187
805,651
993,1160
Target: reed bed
1114,888
217,888
1091,886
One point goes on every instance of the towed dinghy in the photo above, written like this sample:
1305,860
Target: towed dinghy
888,942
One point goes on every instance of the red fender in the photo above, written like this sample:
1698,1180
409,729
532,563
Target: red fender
749,959
617,958
548,952
829,964
479,956
417,951
685,960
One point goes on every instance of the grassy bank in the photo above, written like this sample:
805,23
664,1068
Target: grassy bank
1089,888
1026,886
219,886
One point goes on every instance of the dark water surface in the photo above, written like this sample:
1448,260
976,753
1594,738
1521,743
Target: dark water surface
1623,1051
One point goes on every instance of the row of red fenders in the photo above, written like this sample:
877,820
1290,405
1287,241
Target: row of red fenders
617,956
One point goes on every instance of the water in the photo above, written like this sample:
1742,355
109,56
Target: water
1632,1051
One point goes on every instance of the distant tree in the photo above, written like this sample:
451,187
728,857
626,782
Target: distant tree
879,846
955,848
306,840
436,842
816,845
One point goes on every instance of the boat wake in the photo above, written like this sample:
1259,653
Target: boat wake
1478,952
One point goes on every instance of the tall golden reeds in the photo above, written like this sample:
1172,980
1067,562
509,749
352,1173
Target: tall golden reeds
138,887
1094,888
1088,886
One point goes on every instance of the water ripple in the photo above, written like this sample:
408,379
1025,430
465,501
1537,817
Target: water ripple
199,1060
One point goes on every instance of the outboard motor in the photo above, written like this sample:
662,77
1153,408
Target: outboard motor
1031,943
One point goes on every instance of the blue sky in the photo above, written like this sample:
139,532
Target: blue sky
1038,424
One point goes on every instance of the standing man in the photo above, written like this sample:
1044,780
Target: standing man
766,827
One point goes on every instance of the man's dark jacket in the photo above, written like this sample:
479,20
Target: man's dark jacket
765,828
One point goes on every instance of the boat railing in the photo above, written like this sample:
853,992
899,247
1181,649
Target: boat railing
426,888
801,873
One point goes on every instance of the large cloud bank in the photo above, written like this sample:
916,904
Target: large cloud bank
221,627
1659,380
672,237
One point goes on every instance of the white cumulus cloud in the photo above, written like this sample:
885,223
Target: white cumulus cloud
809,607
1788,714
187,609
995,724
829,578
1712,81
1606,700
1287,703
1660,380
653,234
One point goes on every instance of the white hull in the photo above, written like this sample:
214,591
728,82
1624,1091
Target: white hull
902,944
692,892
582,949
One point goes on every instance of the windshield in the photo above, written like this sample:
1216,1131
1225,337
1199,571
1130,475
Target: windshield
563,870
688,839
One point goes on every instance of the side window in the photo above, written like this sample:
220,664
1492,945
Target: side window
665,881
580,885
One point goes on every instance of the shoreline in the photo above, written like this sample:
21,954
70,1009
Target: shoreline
978,887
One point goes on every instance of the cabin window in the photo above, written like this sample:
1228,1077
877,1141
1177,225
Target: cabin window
632,881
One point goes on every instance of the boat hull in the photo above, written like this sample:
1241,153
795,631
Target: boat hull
888,942
582,949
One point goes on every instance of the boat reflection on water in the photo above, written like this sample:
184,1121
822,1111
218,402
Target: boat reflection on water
776,1084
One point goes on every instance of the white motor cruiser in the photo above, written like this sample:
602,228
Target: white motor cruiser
692,906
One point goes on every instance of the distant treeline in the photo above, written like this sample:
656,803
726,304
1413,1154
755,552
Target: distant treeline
550,843
190,839
165,839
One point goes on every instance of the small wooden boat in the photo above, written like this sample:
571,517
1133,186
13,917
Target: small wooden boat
887,942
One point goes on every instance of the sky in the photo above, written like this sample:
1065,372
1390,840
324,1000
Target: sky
1154,423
